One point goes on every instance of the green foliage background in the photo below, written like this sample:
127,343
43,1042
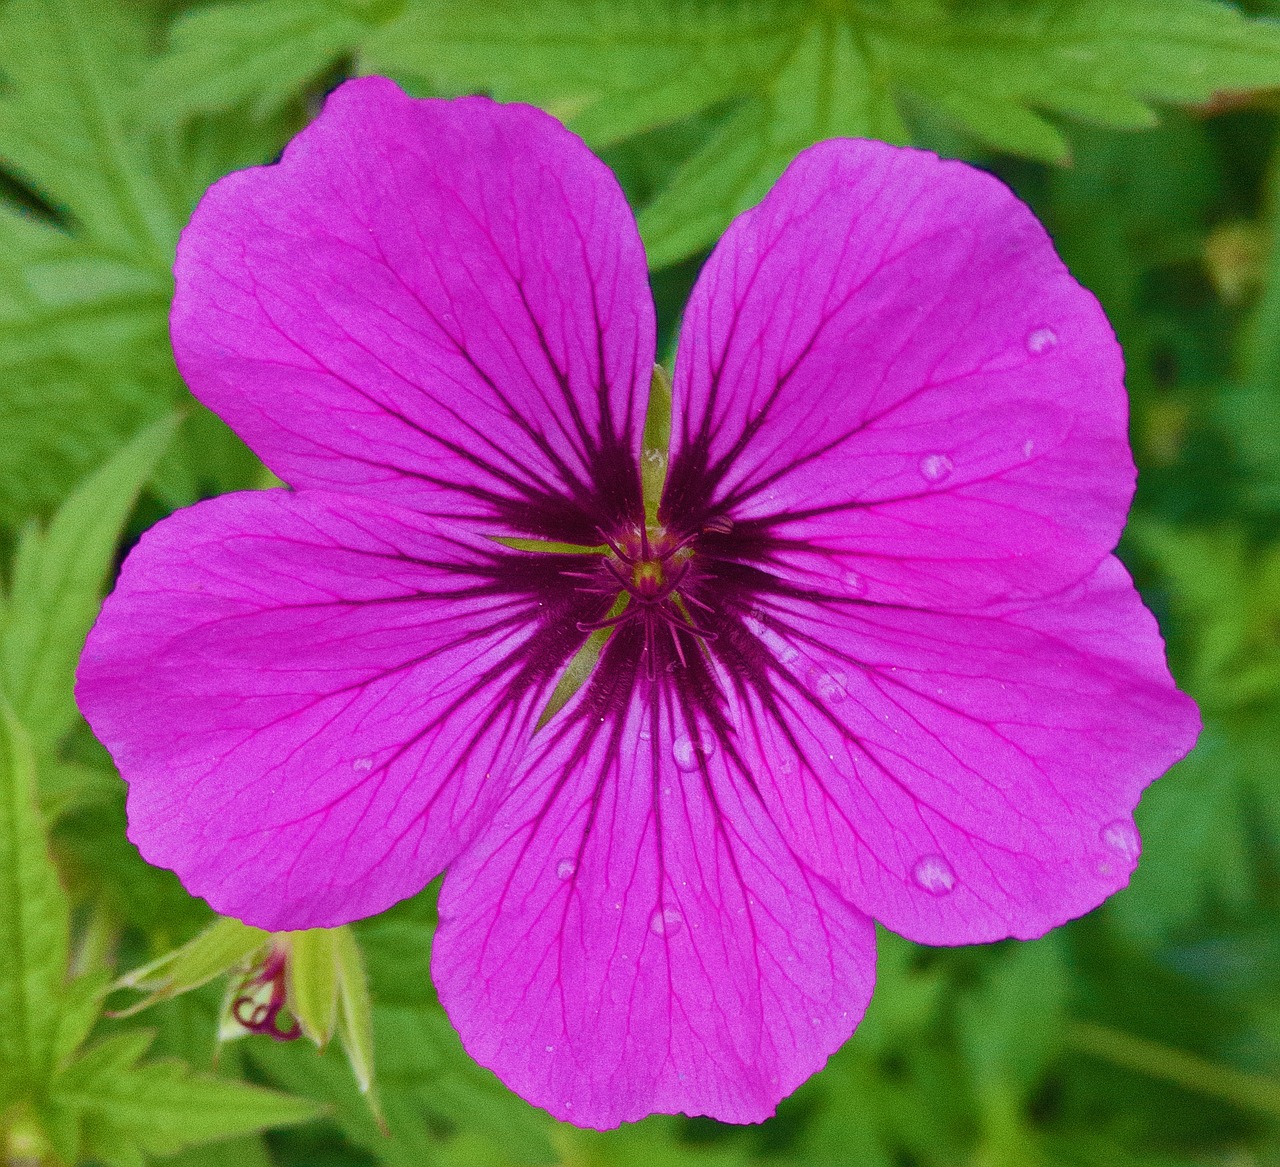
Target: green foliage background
1143,132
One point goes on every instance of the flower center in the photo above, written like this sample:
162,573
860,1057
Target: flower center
651,565
649,562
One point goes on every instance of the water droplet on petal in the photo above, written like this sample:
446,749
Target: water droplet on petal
565,869
1041,341
551,1049
934,874
831,688
665,922
360,765
646,735
771,640
689,754
1122,836
854,584
1028,448
936,467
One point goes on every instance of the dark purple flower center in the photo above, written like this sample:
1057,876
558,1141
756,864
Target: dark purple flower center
655,569
641,598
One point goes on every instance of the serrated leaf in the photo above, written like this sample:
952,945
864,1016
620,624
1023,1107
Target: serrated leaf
1229,590
129,1111
58,578
806,70
823,90
260,55
62,125
84,351
33,924
610,68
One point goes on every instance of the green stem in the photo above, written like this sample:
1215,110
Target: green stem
1247,1091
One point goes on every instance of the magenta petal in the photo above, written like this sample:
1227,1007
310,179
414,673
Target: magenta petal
444,303
631,935
964,778
315,699
886,364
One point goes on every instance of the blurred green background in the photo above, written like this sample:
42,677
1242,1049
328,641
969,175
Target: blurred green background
1144,134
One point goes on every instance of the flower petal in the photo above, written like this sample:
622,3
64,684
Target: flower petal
886,366
444,303
631,934
315,698
961,778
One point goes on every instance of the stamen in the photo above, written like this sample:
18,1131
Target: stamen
690,627
675,583
615,548
675,638
613,571
607,622
697,603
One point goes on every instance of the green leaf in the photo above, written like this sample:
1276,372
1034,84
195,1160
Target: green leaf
127,1111
83,359
33,924
84,292
1228,589
1196,824
260,55
802,71
426,1083
1013,1026
241,1152
872,1105
657,440
1010,1030
62,120
58,578
823,90
1194,1074
68,786
610,68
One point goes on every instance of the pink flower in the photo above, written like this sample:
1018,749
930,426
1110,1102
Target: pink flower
876,660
